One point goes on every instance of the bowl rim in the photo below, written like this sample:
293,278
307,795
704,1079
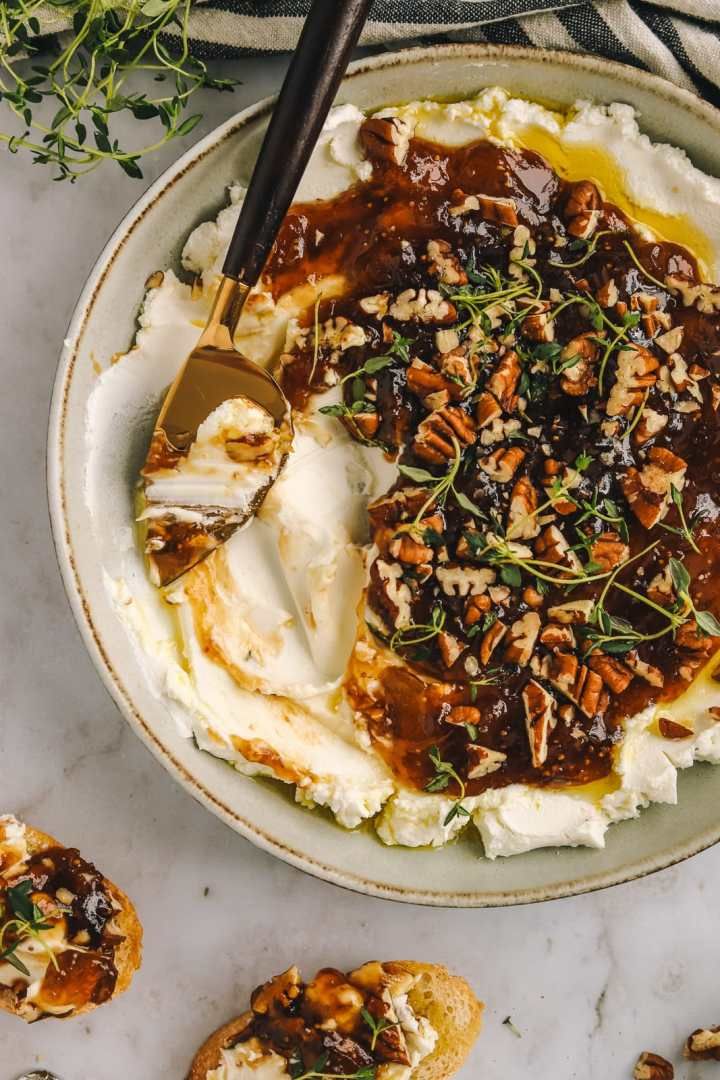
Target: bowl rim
81,605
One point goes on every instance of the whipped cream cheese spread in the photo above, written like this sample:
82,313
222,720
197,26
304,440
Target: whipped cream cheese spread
250,649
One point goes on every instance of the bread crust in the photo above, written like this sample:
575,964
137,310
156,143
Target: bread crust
128,955
445,999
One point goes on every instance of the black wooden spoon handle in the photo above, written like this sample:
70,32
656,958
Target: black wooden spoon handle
329,35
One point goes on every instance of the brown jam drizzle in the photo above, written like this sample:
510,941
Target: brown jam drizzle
376,235
324,1024
88,973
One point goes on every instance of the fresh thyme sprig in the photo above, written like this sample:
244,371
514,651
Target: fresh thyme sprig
317,1071
87,82
377,1026
445,771
686,527
27,921
590,249
705,620
417,633
398,350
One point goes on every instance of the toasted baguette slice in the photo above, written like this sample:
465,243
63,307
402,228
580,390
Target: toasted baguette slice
127,953
446,1000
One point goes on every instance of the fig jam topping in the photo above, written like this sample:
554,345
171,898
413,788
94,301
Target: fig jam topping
54,889
336,1024
546,376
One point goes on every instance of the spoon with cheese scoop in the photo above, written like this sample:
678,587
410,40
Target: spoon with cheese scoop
225,427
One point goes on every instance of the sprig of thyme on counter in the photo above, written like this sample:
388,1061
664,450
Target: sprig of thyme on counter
65,107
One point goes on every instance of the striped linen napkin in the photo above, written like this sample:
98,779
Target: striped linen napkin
678,39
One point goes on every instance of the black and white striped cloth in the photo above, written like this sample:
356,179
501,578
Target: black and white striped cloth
679,39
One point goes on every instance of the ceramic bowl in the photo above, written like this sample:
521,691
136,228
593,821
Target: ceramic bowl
151,236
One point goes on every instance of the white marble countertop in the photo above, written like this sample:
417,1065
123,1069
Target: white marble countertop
589,982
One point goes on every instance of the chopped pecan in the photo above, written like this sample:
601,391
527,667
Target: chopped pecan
456,365
636,372
436,434
537,325
540,720
476,608
573,611
464,580
443,264
705,298
504,379
461,715
650,674
482,761
491,639
367,423
551,546
577,682
582,209
554,471
689,637
703,1045
523,635
522,521
407,550
375,305
340,333
616,676
427,305
397,594
450,648
274,997
532,597
446,340
607,295
651,1066
577,359
670,729
492,208
671,340
651,423
424,380
557,636
608,550
502,465
648,491
487,409
386,138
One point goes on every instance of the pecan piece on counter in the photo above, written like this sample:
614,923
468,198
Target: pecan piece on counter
386,138
435,434
444,264
540,719
703,1045
648,491
651,1066
523,635
482,761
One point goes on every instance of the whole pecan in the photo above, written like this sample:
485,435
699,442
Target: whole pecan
434,437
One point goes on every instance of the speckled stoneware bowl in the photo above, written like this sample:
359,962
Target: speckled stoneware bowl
152,236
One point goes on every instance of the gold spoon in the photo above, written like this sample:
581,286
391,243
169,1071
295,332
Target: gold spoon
182,530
